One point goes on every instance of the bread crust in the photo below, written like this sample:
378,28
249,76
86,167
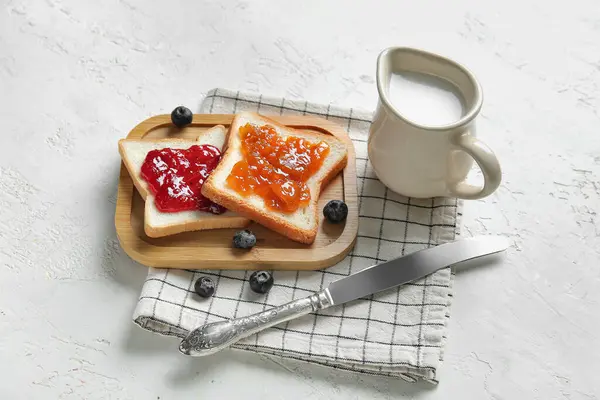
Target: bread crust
216,222
210,221
212,189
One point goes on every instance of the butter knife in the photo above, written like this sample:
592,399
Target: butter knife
216,336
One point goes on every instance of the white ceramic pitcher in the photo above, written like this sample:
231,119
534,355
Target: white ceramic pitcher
418,160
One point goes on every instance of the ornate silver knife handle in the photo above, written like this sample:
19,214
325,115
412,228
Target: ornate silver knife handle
216,336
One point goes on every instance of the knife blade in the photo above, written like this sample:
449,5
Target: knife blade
213,337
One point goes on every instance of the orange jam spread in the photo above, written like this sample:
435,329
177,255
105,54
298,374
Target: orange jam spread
276,168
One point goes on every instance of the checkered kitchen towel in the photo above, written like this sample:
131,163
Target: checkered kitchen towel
400,332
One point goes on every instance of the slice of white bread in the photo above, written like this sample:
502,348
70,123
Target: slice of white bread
158,223
301,225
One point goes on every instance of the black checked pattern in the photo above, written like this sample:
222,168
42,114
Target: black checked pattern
397,333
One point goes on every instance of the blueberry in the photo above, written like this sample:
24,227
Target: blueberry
181,116
335,211
261,281
244,239
204,286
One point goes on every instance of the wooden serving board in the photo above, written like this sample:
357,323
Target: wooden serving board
212,249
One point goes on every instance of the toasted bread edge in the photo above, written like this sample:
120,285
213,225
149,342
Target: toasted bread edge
188,226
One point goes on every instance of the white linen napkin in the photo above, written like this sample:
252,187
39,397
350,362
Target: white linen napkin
400,332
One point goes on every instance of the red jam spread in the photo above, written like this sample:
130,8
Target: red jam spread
176,176
276,168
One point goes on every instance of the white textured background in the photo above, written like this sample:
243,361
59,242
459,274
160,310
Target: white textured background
75,76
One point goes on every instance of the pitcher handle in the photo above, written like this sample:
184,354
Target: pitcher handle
488,163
